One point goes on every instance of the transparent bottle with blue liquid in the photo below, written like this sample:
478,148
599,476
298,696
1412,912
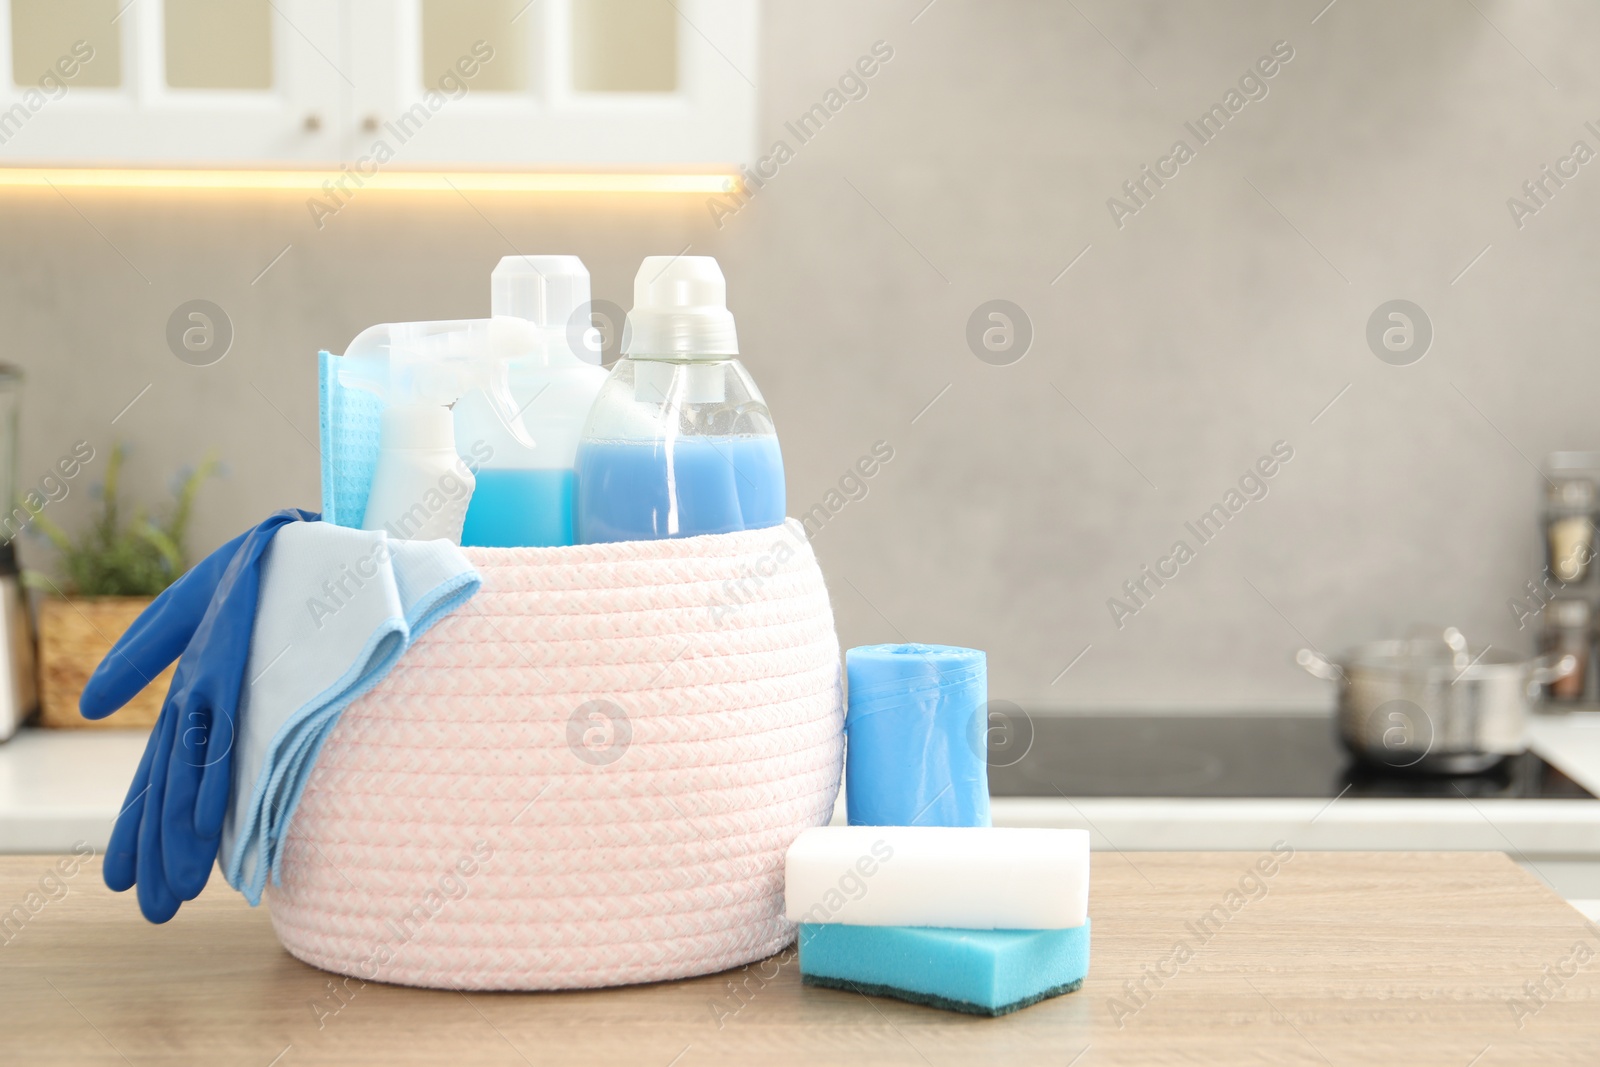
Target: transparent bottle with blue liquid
679,442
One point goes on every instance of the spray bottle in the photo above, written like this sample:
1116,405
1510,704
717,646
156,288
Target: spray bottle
421,487
526,486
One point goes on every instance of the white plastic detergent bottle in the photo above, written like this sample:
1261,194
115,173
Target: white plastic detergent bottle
524,466
420,487
679,442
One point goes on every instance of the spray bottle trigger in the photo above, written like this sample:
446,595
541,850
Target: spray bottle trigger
503,403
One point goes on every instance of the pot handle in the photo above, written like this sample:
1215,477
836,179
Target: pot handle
1545,672
1318,666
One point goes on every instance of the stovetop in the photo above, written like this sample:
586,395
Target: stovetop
1232,755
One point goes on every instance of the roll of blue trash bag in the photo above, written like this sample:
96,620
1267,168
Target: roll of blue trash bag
917,743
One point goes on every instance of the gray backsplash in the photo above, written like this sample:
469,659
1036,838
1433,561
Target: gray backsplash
1221,317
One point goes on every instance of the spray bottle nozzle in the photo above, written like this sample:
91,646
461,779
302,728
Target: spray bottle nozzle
433,364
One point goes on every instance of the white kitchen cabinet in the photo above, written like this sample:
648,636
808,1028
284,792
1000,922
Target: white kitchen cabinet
427,84
120,107
558,90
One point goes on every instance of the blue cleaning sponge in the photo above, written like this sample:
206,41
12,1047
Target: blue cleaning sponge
984,972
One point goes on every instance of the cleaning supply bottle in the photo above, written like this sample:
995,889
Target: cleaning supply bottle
679,441
525,481
420,487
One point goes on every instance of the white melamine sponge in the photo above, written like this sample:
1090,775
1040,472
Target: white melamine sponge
974,878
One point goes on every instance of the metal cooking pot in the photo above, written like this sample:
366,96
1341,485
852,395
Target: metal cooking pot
1432,704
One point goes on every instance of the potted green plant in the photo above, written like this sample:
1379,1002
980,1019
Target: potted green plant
109,574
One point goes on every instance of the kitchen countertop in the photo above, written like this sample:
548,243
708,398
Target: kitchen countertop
58,787
1347,958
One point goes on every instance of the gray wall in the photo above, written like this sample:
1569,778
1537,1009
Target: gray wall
1221,318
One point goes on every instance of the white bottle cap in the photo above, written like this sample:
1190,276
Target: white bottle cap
680,309
545,290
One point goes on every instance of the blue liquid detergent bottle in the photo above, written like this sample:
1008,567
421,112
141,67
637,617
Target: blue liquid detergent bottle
526,487
679,441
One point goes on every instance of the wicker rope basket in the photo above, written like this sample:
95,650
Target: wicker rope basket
587,776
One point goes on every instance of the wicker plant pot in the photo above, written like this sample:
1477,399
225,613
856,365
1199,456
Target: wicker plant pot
74,636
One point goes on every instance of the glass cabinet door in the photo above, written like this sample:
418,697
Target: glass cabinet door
218,44
422,84
229,82
450,32
606,84
624,46
47,36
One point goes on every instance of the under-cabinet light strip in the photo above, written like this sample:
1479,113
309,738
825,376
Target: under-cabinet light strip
315,181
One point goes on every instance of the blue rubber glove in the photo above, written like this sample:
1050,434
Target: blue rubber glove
156,899
204,698
165,840
157,638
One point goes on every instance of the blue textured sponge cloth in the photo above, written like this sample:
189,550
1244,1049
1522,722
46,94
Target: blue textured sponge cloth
984,972
348,422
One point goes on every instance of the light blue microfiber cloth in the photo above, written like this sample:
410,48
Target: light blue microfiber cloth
338,607
348,422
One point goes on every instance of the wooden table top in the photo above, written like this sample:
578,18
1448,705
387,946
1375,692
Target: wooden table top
1331,959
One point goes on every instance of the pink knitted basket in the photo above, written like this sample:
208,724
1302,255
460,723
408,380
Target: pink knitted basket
586,776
